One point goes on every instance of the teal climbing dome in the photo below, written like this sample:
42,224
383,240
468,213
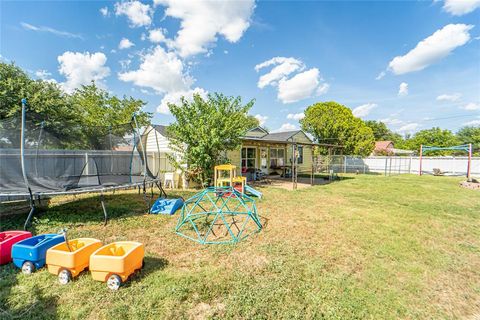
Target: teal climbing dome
218,215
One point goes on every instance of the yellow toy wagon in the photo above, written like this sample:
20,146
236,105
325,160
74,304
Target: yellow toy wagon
116,261
69,258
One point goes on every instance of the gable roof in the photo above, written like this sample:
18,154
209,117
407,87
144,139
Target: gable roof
161,129
284,136
383,145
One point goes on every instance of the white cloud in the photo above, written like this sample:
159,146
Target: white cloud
472,106
261,119
472,123
283,67
56,32
202,21
403,89
380,75
408,128
104,11
42,74
157,35
364,109
460,7
161,71
300,86
286,127
125,44
81,68
432,49
449,97
138,14
296,116
175,98
392,121
45,76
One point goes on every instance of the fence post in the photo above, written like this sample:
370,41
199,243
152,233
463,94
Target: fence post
86,164
386,163
410,165
344,164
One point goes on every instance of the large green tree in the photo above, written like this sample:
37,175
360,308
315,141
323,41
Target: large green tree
205,129
433,137
70,120
333,123
382,133
471,135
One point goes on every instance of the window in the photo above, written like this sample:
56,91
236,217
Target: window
249,157
276,157
300,154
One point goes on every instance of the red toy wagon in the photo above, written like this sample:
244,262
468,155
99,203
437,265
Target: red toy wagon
7,240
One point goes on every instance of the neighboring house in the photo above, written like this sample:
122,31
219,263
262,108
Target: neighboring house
383,148
386,148
269,152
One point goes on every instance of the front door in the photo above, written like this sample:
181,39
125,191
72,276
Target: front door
264,160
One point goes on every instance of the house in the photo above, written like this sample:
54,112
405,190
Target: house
269,152
272,152
383,148
386,148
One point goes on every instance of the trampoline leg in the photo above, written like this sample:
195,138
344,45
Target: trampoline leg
105,215
30,214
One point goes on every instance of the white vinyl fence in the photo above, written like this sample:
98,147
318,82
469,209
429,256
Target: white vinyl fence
389,165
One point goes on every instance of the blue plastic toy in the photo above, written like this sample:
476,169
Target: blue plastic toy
253,192
30,254
166,206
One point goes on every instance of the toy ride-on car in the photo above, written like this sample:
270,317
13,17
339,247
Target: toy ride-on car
30,254
115,262
7,240
69,258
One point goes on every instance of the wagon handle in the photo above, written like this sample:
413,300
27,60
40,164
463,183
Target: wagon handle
64,233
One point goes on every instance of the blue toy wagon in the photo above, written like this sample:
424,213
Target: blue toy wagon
30,254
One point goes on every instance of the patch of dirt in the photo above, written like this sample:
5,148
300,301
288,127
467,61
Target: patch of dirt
206,311
470,185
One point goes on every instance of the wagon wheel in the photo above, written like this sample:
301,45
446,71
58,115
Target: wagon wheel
114,282
64,276
28,267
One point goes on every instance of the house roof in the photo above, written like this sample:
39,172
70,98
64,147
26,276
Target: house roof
275,136
383,145
161,129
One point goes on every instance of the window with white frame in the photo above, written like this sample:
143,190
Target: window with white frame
277,157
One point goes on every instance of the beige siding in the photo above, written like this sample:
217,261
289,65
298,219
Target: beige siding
154,137
256,133
235,158
306,166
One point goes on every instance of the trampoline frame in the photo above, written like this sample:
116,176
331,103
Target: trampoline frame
37,196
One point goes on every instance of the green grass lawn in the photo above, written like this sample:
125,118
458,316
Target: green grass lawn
367,247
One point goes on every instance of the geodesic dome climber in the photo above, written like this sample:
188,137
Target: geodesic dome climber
218,215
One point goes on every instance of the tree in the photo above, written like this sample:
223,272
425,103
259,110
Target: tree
331,122
204,130
470,135
382,133
69,121
436,137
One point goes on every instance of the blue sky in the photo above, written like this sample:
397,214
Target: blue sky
412,64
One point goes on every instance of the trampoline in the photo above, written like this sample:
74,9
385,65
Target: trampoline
40,159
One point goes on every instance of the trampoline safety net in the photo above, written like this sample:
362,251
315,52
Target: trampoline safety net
62,159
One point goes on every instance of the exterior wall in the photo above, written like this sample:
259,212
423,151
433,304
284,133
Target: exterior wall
163,142
306,166
256,133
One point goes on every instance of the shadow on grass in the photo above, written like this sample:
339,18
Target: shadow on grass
152,264
74,211
39,306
